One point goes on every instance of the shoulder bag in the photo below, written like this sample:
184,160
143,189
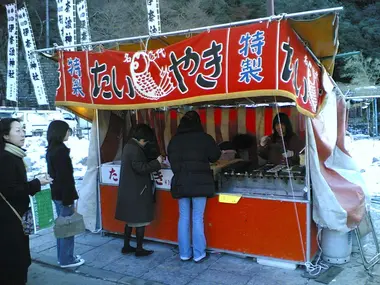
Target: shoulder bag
26,220
69,226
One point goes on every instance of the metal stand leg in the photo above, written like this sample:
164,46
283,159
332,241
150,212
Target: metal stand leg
365,228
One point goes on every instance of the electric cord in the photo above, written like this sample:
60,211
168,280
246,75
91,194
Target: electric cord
319,265
316,268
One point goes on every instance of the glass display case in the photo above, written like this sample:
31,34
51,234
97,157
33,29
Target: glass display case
271,181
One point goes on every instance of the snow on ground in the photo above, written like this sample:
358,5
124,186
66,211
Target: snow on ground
366,153
36,150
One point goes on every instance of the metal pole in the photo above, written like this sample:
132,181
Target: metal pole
309,200
270,7
198,30
342,55
363,97
47,24
376,118
98,169
368,119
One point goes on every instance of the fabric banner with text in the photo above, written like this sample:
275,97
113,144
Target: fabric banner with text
66,13
264,59
32,58
85,36
154,20
11,93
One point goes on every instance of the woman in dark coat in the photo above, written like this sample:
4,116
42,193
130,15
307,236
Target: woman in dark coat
14,187
190,152
135,196
271,147
63,189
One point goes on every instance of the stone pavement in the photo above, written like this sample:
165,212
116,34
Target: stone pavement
105,262
41,274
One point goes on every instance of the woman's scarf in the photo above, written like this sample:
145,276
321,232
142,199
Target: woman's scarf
15,150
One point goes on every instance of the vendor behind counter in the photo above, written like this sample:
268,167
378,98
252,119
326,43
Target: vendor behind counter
271,148
245,147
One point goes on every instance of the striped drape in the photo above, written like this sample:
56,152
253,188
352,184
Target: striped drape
221,123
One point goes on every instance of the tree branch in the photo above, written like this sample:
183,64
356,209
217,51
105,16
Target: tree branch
41,24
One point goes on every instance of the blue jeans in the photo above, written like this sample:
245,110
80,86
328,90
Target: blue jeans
65,246
199,240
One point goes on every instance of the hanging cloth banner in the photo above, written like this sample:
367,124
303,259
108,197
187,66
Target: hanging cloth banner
60,16
339,190
85,36
154,20
12,53
247,61
66,22
31,57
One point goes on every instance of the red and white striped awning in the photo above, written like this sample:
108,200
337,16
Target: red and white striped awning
221,123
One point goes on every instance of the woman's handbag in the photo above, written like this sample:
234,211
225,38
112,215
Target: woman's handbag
26,220
69,226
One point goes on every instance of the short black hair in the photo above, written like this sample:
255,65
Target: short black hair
192,116
5,128
144,132
56,132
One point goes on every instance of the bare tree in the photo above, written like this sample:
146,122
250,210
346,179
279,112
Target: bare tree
191,14
126,18
363,71
117,19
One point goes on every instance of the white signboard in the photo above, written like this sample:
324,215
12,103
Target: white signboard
85,36
31,57
154,20
60,18
66,22
110,175
11,93
163,178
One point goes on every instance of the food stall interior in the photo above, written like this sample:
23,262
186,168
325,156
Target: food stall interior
240,169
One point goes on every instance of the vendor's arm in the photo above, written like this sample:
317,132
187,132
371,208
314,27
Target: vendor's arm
295,145
263,148
213,150
139,161
11,182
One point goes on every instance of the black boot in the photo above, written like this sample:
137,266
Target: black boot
140,231
127,237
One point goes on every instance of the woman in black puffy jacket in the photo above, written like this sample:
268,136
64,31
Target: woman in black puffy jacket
190,153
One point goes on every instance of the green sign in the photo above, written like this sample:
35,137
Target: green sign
42,207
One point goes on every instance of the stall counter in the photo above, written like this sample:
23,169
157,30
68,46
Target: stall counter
110,173
257,226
